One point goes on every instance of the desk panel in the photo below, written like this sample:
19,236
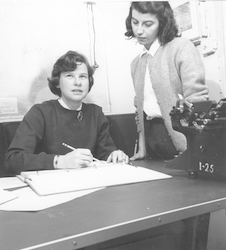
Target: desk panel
112,212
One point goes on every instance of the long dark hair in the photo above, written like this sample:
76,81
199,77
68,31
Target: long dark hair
68,62
164,13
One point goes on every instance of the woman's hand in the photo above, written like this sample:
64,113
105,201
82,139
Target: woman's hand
141,149
139,155
78,158
118,156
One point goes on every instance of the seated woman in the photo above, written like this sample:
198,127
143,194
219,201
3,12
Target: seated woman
39,141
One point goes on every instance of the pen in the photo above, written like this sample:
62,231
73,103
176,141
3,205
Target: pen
72,148
135,148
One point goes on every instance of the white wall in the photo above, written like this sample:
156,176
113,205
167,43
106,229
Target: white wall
34,33
209,26
119,54
214,27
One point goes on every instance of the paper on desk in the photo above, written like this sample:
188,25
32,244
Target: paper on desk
6,196
11,182
28,200
48,182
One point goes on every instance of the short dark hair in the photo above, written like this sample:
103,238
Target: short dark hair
164,13
68,62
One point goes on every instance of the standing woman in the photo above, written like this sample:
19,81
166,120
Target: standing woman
168,65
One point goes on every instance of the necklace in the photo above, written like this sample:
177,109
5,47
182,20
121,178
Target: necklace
79,112
79,115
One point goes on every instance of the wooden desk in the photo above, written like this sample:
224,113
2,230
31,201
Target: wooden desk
112,213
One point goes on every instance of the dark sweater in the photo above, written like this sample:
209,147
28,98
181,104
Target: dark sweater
46,126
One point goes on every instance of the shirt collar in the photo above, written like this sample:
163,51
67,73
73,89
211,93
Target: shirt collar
63,104
153,49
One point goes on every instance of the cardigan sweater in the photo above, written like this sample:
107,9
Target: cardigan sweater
46,126
176,68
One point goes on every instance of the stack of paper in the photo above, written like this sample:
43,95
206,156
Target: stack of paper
48,182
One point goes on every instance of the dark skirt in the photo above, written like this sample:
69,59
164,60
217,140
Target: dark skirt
158,141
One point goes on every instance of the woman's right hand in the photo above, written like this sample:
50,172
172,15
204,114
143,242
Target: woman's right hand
141,149
78,158
139,155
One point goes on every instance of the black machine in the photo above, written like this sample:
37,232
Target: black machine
204,125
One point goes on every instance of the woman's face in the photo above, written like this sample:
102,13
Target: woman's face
145,27
74,86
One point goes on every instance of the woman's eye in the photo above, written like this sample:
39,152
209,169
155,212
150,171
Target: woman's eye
69,75
134,22
148,24
84,76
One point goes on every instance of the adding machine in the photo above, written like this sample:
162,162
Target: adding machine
204,126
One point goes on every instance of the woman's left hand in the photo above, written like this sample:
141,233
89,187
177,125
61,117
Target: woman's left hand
118,156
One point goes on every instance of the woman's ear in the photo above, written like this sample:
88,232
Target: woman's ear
91,81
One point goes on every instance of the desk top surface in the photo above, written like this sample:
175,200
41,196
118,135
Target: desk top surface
114,211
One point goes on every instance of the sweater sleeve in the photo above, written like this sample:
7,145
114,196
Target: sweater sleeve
192,73
133,67
23,153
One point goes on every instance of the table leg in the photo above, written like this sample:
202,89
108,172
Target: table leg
217,230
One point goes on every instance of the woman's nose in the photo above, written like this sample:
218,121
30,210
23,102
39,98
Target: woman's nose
77,80
140,30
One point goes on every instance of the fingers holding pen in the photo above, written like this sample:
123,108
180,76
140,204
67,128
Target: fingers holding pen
78,158
83,156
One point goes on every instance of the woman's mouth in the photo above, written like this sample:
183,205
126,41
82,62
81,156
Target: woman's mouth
141,38
77,90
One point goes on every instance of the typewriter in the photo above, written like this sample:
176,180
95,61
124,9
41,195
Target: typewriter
204,126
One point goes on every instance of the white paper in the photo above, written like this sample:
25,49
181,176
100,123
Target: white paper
7,196
8,105
28,200
89,179
11,182
48,182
